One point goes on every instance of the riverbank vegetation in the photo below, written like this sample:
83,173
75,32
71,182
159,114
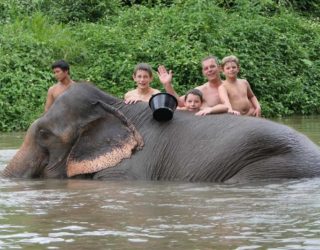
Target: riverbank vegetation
277,43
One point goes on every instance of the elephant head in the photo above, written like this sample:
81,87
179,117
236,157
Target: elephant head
81,133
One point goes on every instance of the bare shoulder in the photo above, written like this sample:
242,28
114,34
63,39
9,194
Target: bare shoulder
53,88
130,93
243,81
202,87
155,91
223,83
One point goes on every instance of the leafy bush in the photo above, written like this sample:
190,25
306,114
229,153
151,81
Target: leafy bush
278,51
305,7
28,49
64,11
67,11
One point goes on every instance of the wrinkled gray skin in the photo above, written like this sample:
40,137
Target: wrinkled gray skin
215,148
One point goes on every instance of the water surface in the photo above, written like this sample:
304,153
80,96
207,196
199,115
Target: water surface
82,214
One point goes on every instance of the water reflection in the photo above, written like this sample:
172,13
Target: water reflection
11,140
308,125
82,214
77,214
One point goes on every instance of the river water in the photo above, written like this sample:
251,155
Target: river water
82,214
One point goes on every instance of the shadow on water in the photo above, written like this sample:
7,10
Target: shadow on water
83,214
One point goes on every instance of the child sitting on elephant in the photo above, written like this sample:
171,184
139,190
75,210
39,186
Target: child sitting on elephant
236,93
143,77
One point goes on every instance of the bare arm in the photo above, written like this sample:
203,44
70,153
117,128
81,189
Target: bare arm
165,78
223,94
218,109
50,100
253,99
256,105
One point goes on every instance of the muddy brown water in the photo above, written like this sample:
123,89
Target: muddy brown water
82,214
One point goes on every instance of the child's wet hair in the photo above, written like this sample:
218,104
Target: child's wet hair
143,66
196,92
231,58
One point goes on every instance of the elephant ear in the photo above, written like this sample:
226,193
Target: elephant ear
103,142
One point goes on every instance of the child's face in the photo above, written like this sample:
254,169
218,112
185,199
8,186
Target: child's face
231,70
143,79
193,103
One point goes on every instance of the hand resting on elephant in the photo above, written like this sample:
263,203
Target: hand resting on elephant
194,100
91,134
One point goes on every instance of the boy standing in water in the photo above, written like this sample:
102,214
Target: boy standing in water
236,93
61,72
143,77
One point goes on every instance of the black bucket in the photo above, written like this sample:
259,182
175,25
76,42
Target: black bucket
163,106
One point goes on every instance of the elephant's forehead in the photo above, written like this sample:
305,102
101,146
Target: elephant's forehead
69,109
60,126
70,104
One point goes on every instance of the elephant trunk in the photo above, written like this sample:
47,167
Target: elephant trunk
22,165
14,168
27,162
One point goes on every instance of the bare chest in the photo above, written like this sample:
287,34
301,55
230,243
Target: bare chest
59,90
237,90
211,96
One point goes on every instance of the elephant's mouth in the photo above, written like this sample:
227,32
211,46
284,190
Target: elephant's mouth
22,166
43,162
55,168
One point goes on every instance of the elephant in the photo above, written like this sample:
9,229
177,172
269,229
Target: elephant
88,133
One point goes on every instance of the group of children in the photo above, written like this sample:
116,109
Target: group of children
231,95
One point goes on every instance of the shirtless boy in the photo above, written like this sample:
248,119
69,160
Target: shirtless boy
236,93
193,100
211,100
143,77
61,72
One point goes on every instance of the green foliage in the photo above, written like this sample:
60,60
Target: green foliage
28,47
64,11
305,7
148,3
278,49
67,11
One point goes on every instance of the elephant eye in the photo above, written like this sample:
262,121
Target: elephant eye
44,134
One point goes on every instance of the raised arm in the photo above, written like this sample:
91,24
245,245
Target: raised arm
165,78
